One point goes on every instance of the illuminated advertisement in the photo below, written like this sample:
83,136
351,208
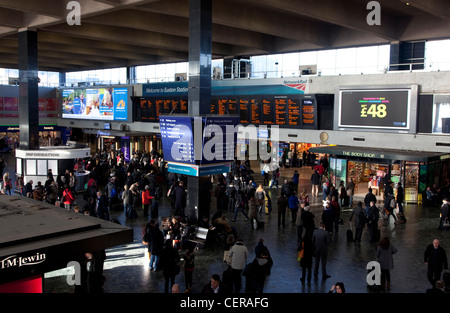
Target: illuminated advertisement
382,109
95,103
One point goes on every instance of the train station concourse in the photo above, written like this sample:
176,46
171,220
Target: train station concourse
215,117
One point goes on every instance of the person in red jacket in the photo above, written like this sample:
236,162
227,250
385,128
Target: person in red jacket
146,199
68,198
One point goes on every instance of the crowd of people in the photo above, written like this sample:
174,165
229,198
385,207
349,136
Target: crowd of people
136,187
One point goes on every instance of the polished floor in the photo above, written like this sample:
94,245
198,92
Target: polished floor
126,267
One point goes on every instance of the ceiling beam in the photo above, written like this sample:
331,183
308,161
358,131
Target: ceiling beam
438,8
253,18
349,14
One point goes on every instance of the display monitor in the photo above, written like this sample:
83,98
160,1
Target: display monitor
392,109
96,103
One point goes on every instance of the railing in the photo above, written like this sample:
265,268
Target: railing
336,71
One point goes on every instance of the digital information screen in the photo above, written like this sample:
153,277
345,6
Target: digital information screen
148,109
286,111
95,103
388,109
218,136
177,139
309,114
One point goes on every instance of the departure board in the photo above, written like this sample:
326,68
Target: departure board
244,110
280,104
268,111
297,111
293,112
255,108
183,106
159,107
233,108
308,113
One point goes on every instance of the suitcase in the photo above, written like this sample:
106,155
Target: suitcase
350,233
401,218
257,224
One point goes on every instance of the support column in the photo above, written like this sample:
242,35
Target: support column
28,90
199,101
62,79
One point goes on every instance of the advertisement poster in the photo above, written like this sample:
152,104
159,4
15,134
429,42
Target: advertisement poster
96,104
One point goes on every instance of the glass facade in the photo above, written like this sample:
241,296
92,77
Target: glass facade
345,61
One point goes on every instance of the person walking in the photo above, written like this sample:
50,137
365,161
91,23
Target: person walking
68,197
315,182
360,220
445,210
238,254
384,253
436,259
188,258
169,263
308,221
389,206
257,272
146,200
180,196
239,205
299,222
282,204
400,197
350,189
293,206
342,194
307,259
321,239
372,222
369,197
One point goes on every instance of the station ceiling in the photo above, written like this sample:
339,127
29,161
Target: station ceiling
117,33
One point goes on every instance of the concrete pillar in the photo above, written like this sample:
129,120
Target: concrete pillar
199,101
28,90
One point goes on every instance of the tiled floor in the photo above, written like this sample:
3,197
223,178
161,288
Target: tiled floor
126,268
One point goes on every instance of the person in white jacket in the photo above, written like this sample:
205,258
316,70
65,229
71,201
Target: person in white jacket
238,254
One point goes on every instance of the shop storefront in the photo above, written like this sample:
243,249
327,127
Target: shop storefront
371,167
49,135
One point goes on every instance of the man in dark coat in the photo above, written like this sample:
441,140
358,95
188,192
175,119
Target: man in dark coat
444,212
321,239
436,258
372,222
400,197
369,198
101,207
169,263
180,199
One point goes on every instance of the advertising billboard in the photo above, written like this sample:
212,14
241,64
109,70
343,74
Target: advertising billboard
107,103
391,109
